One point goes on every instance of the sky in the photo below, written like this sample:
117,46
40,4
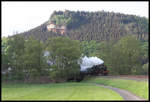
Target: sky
23,16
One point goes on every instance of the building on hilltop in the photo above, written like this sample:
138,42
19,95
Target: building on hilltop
57,29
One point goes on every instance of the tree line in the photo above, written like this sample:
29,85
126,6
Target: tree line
27,59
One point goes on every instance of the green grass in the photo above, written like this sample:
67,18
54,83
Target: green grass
61,91
140,88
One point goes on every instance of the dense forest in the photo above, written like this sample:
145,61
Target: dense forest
99,26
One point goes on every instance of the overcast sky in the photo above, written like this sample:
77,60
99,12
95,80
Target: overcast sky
23,16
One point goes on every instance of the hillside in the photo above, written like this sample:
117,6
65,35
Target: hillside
88,26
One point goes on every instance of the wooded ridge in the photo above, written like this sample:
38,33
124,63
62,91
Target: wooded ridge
86,26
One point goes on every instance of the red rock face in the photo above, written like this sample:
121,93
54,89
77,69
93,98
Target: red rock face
56,29
62,31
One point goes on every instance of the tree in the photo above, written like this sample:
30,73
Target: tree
34,61
129,47
61,19
107,53
24,57
144,52
5,59
90,48
121,57
14,52
64,54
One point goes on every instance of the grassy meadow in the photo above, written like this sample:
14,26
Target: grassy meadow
59,91
140,88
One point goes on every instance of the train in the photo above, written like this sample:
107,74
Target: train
96,70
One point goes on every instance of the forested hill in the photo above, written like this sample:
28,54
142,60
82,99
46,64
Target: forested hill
97,26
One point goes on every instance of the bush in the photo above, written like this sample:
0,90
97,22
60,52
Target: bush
145,68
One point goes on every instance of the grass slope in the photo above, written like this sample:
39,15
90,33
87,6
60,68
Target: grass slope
63,91
140,88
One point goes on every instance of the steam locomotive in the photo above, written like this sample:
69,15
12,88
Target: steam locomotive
100,69
96,70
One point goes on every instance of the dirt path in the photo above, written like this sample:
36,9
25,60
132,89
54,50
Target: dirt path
125,94
126,77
